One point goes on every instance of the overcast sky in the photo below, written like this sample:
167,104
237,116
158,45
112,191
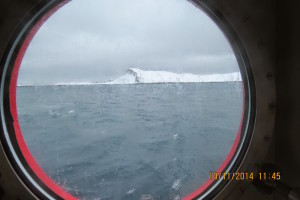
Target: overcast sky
97,40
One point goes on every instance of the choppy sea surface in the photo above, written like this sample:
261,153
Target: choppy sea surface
125,141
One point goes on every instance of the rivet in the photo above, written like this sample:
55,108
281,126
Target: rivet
270,75
266,138
260,44
272,106
246,19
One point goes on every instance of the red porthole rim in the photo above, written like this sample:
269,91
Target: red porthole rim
12,139
14,55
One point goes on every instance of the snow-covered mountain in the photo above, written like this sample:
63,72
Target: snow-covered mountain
134,75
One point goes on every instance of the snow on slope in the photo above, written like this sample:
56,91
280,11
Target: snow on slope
134,75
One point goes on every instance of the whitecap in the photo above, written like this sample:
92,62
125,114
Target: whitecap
177,197
176,184
175,136
130,191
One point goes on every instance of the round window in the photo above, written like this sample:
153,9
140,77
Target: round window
126,100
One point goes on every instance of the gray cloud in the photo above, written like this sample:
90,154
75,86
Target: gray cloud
97,40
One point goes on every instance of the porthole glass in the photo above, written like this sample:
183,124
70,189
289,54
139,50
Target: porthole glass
130,99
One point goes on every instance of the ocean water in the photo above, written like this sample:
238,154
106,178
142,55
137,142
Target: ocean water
125,141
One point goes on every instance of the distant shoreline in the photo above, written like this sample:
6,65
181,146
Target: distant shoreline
94,84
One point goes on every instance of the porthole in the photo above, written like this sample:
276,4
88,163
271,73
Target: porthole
151,123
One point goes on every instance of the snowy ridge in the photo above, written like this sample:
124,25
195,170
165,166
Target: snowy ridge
134,75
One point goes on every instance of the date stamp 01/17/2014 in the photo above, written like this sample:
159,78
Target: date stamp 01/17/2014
245,176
